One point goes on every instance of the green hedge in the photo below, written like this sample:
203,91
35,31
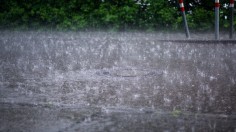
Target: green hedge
77,15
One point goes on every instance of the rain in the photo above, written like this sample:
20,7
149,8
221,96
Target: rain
99,81
117,66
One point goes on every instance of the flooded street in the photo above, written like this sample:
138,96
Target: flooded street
101,81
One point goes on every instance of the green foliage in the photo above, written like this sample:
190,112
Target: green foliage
76,15
201,19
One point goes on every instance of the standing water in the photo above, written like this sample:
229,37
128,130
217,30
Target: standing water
97,81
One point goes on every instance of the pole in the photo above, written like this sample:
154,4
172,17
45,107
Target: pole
181,4
231,19
217,13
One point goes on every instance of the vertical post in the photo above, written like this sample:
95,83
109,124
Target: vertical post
181,4
217,13
231,6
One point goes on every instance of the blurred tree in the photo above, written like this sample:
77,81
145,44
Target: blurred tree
109,14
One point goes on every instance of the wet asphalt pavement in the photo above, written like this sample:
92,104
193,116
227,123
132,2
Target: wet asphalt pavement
98,81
